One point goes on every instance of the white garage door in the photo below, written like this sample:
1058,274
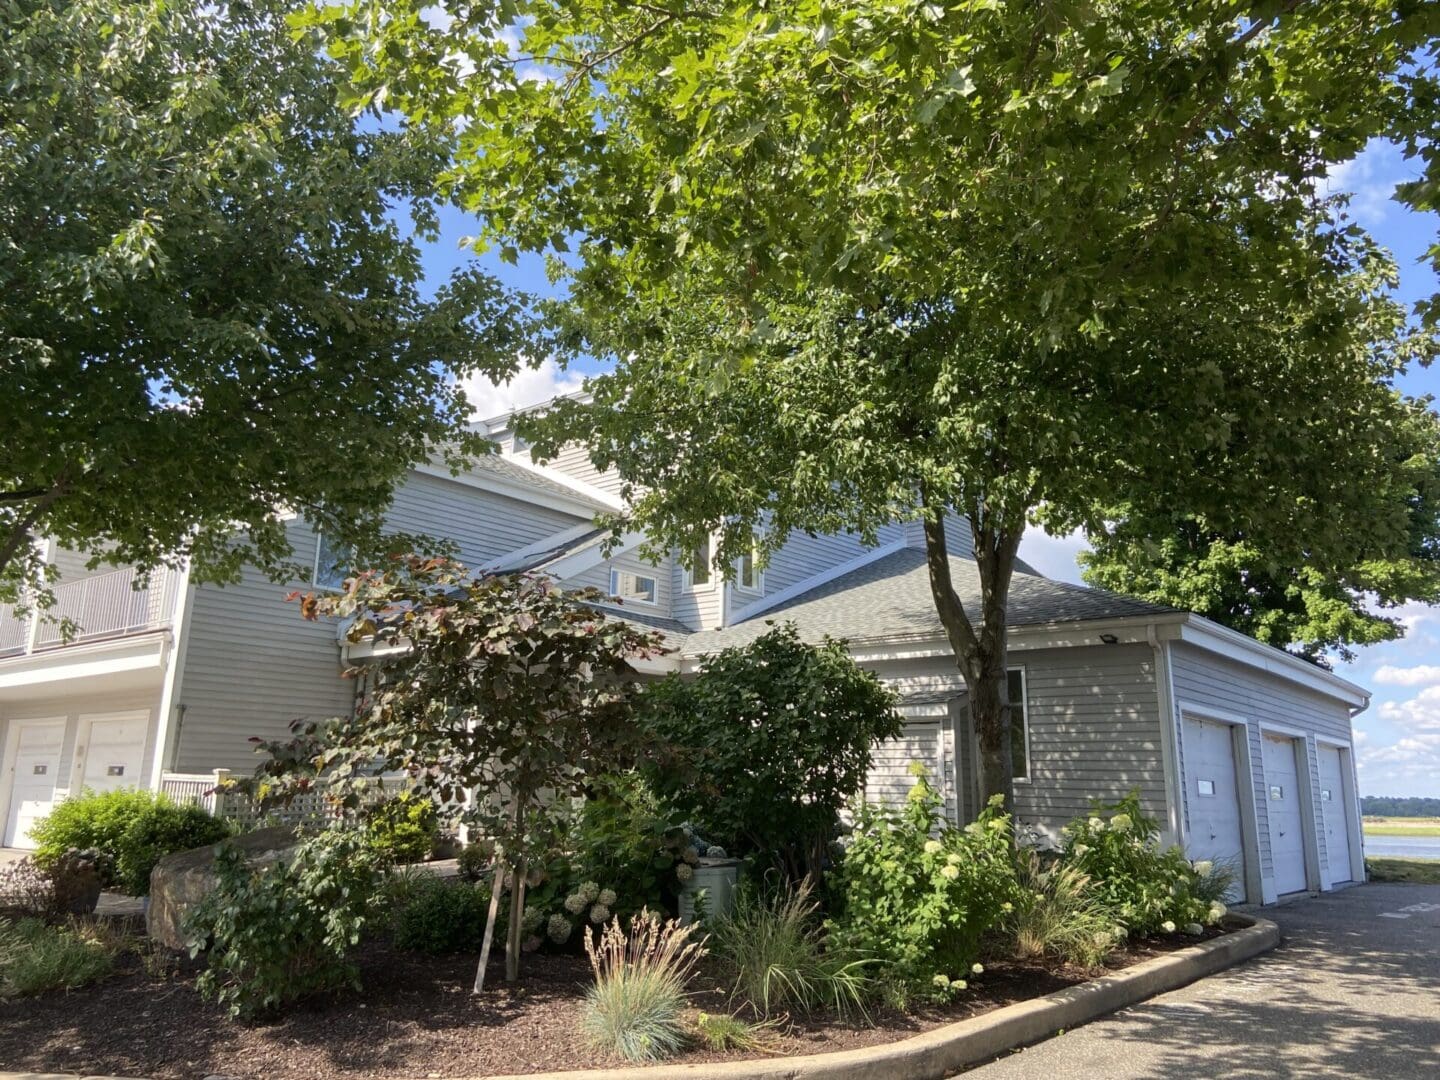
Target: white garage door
889,779
114,751
1282,800
1336,813
1212,796
36,763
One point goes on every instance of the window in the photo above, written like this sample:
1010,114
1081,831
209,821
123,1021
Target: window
748,576
699,571
625,585
1019,724
1205,787
1277,793
332,564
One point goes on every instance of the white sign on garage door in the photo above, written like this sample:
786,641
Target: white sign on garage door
1212,795
113,751
35,765
1335,811
1282,801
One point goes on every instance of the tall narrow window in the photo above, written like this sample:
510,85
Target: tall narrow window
699,572
332,563
1019,724
748,576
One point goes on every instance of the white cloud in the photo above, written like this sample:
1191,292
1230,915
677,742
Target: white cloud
1053,556
530,386
1419,713
1370,178
1420,675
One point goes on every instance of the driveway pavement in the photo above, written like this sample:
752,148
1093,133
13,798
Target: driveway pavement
1353,991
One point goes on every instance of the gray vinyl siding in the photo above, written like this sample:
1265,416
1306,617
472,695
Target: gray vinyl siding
803,557
483,525
574,460
698,608
1094,730
251,666
599,577
1204,679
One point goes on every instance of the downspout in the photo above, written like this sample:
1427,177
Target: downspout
1169,740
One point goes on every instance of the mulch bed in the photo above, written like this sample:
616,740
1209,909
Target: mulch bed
415,1018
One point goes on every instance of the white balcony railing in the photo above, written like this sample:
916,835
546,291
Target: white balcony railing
107,605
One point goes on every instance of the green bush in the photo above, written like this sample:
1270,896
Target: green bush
917,895
279,932
636,1005
134,828
1146,889
441,916
766,744
36,958
1057,914
775,946
474,862
404,829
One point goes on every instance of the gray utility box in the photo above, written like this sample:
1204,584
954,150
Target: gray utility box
717,879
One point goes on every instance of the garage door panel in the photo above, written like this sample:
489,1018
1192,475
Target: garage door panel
115,752
35,772
1213,797
1283,809
1336,813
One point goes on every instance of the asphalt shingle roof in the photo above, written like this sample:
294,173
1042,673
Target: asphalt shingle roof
889,599
503,467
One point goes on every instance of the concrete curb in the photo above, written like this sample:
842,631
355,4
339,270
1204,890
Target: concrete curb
939,1053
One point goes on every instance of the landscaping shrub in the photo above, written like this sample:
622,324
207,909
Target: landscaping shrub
916,894
36,958
1146,889
26,891
134,828
441,916
776,947
279,932
1055,913
474,862
719,1031
766,744
635,1007
405,829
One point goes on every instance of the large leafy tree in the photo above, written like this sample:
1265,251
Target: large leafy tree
496,696
209,315
1013,262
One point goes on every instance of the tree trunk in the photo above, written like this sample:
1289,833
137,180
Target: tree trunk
514,932
980,654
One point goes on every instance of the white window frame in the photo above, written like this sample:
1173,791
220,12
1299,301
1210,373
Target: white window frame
758,587
704,586
315,581
1024,722
615,592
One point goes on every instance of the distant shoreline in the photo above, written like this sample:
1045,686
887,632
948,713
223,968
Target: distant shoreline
1398,826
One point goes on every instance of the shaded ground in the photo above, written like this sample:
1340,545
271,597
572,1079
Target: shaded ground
415,1018
1353,991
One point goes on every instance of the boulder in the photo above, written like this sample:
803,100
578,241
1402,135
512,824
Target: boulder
182,880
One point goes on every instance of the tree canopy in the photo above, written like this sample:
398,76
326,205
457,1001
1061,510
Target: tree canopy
210,302
1062,263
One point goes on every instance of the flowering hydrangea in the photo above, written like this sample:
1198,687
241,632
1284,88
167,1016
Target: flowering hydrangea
1217,910
977,969
1168,926
559,929
607,897
950,871
599,913
685,872
715,851
576,903
1204,867
933,847
589,891
1121,823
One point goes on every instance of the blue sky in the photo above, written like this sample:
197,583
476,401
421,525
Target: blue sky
1398,737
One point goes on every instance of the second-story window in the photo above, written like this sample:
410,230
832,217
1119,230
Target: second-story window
625,585
332,563
699,572
748,575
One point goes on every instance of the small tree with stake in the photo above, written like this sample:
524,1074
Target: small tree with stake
494,695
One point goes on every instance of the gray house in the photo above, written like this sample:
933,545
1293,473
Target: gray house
1242,751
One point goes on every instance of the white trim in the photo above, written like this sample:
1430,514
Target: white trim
111,656
1170,736
554,540
552,500
765,603
577,562
564,479
1236,646
1029,776
11,751
615,593
174,676
687,575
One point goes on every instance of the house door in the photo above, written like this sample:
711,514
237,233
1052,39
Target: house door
35,765
1335,811
1212,796
113,752
1282,800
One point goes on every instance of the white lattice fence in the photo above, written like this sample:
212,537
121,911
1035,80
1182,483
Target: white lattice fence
206,790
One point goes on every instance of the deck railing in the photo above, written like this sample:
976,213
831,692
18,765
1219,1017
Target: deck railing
106,605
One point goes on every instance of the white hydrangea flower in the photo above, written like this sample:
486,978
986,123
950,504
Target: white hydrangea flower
977,969
1204,867
953,859
949,872
607,897
1121,823
1096,823
1217,910
959,984
684,872
559,929
933,847
1168,926
715,851
599,913
575,903
589,891
941,981
1081,850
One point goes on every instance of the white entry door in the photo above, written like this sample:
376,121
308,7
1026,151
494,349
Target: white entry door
114,750
1282,800
34,769
1335,811
1212,794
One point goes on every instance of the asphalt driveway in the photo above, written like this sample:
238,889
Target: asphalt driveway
1352,991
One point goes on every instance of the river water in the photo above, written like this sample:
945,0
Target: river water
1403,847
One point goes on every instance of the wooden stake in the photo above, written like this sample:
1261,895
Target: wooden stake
497,885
